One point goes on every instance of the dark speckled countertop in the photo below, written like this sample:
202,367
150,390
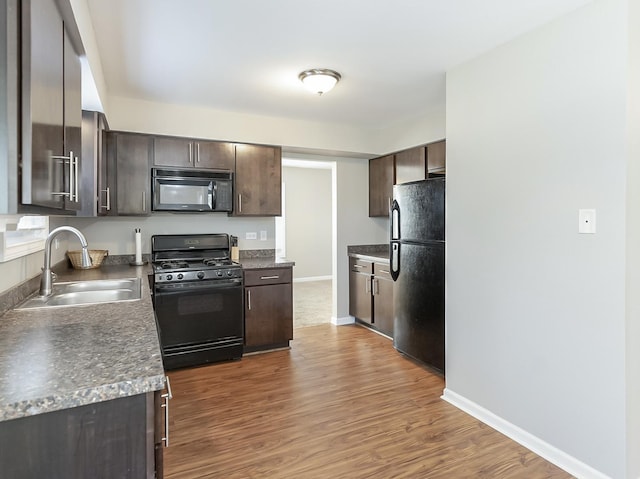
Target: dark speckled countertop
57,358
265,262
371,252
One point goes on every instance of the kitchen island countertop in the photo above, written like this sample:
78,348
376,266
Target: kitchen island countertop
63,357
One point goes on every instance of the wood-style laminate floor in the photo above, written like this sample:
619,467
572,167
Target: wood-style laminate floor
342,403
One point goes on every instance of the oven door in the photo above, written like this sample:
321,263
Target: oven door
183,194
200,322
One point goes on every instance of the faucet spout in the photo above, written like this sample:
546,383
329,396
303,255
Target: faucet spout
46,280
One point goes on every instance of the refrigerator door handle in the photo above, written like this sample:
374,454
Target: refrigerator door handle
394,260
395,221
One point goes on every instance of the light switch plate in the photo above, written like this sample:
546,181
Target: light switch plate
587,221
252,235
263,235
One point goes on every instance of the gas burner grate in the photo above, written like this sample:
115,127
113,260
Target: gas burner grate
216,262
174,264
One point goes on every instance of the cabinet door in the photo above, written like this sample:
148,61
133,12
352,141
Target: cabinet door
173,152
106,171
268,315
381,180
436,158
107,439
132,154
360,296
72,123
383,304
258,181
215,155
410,165
43,178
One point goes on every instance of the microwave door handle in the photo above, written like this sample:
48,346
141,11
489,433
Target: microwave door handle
213,187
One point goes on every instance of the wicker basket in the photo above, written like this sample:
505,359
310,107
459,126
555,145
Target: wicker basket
97,256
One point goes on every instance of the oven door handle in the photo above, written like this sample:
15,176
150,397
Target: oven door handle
202,286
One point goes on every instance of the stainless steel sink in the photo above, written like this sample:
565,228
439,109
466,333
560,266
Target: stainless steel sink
88,292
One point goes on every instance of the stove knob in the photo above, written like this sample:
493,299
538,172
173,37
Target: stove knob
200,274
229,273
219,273
169,277
180,276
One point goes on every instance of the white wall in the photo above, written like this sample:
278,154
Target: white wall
535,311
308,209
353,226
182,120
116,234
633,240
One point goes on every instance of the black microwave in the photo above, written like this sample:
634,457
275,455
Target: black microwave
191,190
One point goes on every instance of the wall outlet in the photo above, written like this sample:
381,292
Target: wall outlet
251,235
263,235
587,221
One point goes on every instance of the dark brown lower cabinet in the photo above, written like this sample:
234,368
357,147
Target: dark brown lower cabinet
382,299
360,300
103,440
371,294
268,313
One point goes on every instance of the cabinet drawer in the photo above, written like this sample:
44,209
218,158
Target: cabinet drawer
257,277
360,265
381,270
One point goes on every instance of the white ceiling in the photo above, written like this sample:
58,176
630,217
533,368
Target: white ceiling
245,55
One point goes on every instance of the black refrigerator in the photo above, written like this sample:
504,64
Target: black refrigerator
417,267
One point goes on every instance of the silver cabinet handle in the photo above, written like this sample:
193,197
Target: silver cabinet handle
190,152
270,277
240,202
198,152
72,177
76,171
366,285
167,396
63,160
358,266
108,197
376,286
144,201
249,299
384,271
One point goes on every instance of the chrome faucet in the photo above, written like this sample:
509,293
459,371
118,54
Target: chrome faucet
47,276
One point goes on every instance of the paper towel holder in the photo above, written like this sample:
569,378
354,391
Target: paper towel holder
138,253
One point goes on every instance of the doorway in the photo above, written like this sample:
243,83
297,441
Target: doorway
305,234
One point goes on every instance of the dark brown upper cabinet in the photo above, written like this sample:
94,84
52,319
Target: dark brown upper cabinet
437,158
187,153
381,181
411,165
258,181
51,109
131,155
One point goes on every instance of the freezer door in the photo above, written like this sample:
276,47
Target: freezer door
419,304
417,214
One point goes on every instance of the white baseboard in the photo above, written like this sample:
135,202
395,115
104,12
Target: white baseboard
552,454
342,321
312,278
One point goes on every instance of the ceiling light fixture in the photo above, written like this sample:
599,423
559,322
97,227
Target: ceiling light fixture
319,80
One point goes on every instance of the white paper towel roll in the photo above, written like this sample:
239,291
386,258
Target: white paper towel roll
138,247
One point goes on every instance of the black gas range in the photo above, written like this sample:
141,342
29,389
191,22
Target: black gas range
198,299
